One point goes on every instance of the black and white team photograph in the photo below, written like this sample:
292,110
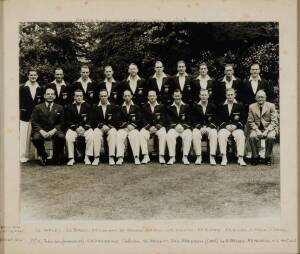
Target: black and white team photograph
149,120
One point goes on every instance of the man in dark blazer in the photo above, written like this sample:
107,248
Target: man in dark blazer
78,124
154,124
47,121
30,94
131,118
88,87
112,87
105,121
228,81
179,125
232,119
136,85
205,124
161,84
263,124
204,82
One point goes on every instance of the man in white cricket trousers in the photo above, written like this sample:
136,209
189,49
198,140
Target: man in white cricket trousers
154,121
131,119
104,122
78,124
179,125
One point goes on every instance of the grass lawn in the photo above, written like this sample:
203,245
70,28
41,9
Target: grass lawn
149,191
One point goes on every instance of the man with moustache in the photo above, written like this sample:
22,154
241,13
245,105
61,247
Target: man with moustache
205,124
30,95
47,123
78,124
154,122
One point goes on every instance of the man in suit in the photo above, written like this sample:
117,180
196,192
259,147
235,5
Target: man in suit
112,87
63,91
232,121
131,118
87,86
205,124
179,125
30,94
47,123
78,124
203,82
154,122
253,85
136,85
228,81
105,124
263,124
161,84
183,82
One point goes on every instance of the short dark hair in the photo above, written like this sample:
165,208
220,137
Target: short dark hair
177,91
85,66
229,65
203,64
58,69
181,61
103,90
47,88
32,69
127,90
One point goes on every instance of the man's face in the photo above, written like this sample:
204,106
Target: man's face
103,97
181,68
260,98
177,97
230,96
32,76
78,97
204,96
203,70
228,72
108,72
152,96
49,95
254,70
59,75
127,96
159,68
133,70
85,72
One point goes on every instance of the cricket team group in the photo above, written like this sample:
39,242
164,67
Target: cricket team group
112,113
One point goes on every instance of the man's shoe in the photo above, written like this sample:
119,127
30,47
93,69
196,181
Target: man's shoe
185,160
198,160
137,161
254,161
96,162
111,161
241,162
161,159
268,161
171,161
224,161
119,161
212,160
146,159
87,161
71,162
43,161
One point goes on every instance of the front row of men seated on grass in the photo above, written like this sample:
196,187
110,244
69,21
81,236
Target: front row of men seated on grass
191,123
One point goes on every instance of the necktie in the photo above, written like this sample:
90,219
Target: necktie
261,127
49,107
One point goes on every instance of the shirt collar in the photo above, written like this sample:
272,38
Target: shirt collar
181,103
185,74
62,83
207,77
156,103
226,102
112,80
80,103
258,78
199,103
99,104
131,103
88,80
137,77
27,83
224,79
163,75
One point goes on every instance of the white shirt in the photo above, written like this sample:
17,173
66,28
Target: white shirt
58,86
152,107
108,85
230,105
104,107
128,106
254,83
203,81
51,105
159,80
228,84
178,107
181,80
203,107
133,83
32,88
84,83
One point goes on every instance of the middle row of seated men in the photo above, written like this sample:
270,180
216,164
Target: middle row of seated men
117,123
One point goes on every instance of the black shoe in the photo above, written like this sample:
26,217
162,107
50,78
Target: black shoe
268,161
43,161
254,161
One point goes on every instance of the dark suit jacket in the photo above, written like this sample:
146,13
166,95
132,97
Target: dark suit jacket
237,116
74,119
140,95
65,97
220,91
211,84
164,95
208,119
187,92
134,117
90,96
27,103
111,117
115,96
42,119
184,117
156,118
